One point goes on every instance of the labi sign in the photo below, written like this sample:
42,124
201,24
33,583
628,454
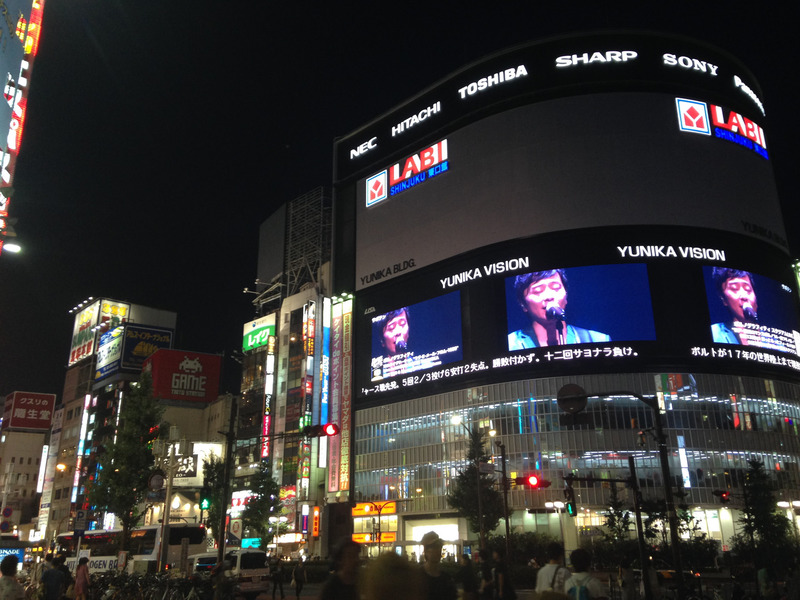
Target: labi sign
257,333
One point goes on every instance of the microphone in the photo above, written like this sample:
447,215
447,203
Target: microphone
554,313
750,314
401,346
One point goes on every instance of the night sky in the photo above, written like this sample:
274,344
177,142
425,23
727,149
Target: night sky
160,135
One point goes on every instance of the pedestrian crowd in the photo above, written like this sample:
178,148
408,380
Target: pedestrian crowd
394,577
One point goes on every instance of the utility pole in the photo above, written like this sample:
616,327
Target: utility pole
506,485
230,439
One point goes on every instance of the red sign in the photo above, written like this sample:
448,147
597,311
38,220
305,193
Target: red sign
416,163
182,375
736,123
28,410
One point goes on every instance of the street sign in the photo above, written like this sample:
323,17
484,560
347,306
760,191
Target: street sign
572,398
80,521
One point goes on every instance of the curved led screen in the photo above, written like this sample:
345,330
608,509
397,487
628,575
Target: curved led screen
621,299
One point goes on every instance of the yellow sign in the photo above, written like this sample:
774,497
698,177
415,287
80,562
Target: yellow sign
369,538
368,509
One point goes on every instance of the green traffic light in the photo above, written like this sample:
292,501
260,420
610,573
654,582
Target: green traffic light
572,510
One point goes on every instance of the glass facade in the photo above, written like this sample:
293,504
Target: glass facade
714,424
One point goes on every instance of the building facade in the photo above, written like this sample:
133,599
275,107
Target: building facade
597,210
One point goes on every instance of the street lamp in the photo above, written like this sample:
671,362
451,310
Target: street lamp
572,398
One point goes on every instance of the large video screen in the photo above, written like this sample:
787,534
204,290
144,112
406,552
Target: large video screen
747,309
580,305
418,337
626,299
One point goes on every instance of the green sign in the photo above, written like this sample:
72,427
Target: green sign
257,337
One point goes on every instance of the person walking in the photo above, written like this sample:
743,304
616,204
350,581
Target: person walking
342,584
503,588
582,585
10,588
277,577
554,574
485,584
299,577
439,585
467,578
392,577
54,581
82,579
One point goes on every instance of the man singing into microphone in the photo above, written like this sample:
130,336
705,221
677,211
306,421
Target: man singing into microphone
394,333
735,289
543,296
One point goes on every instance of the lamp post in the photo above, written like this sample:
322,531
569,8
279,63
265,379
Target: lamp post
502,447
572,398
379,506
171,452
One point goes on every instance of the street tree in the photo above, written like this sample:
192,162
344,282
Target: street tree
473,492
619,519
765,537
263,505
125,465
214,482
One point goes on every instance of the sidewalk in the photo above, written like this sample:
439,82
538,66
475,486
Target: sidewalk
311,592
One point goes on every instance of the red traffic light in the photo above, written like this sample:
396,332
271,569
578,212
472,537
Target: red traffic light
532,481
723,496
330,429
321,430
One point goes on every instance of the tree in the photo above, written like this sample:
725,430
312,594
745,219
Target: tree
472,488
618,518
765,537
264,504
617,545
654,523
214,480
126,465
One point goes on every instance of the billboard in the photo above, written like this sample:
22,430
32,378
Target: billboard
140,342
562,135
185,376
556,166
126,347
29,411
256,333
109,353
92,321
625,299
434,339
20,31
190,468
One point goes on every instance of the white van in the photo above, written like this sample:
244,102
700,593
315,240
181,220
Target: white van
249,566
202,563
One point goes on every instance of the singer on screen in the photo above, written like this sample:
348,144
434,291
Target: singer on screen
394,333
543,297
736,291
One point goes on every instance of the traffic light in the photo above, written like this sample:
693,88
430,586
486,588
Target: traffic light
532,481
325,430
723,496
569,495
205,498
